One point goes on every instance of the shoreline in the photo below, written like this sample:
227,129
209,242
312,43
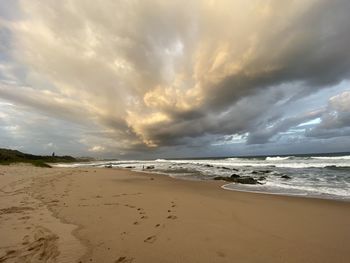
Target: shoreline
285,194
126,216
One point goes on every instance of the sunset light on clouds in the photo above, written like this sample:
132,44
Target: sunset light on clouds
175,78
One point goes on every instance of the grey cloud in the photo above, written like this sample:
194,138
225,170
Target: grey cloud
312,49
44,102
69,114
239,118
9,9
335,122
328,133
30,132
263,135
34,132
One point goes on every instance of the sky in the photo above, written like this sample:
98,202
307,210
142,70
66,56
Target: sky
164,79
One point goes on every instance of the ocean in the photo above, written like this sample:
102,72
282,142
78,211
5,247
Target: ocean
310,176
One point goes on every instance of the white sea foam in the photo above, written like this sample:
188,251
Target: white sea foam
236,159
277,158
346,157
299,190
310,189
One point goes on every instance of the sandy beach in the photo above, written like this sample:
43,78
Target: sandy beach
112,215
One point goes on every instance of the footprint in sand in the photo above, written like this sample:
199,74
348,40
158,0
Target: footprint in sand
111,204
172,217
157,225
144,217
14,209
136,223
24,218
42,247
124,260
150,239
25,240
220,254
9,254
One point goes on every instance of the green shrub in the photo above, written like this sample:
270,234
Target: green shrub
39,163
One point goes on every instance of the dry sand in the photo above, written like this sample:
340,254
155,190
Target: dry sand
109,215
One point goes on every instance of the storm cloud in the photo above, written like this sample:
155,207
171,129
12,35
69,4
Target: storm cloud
152,75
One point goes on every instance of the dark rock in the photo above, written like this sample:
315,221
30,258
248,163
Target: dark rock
261,178
130,167
225,168
239,179
234,176
286,177
220,178
331,166
246,180
261,172
150,167
208,165
108,166
234,169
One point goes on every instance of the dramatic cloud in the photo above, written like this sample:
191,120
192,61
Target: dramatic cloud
155,75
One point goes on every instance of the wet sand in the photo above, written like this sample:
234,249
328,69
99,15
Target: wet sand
110,215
